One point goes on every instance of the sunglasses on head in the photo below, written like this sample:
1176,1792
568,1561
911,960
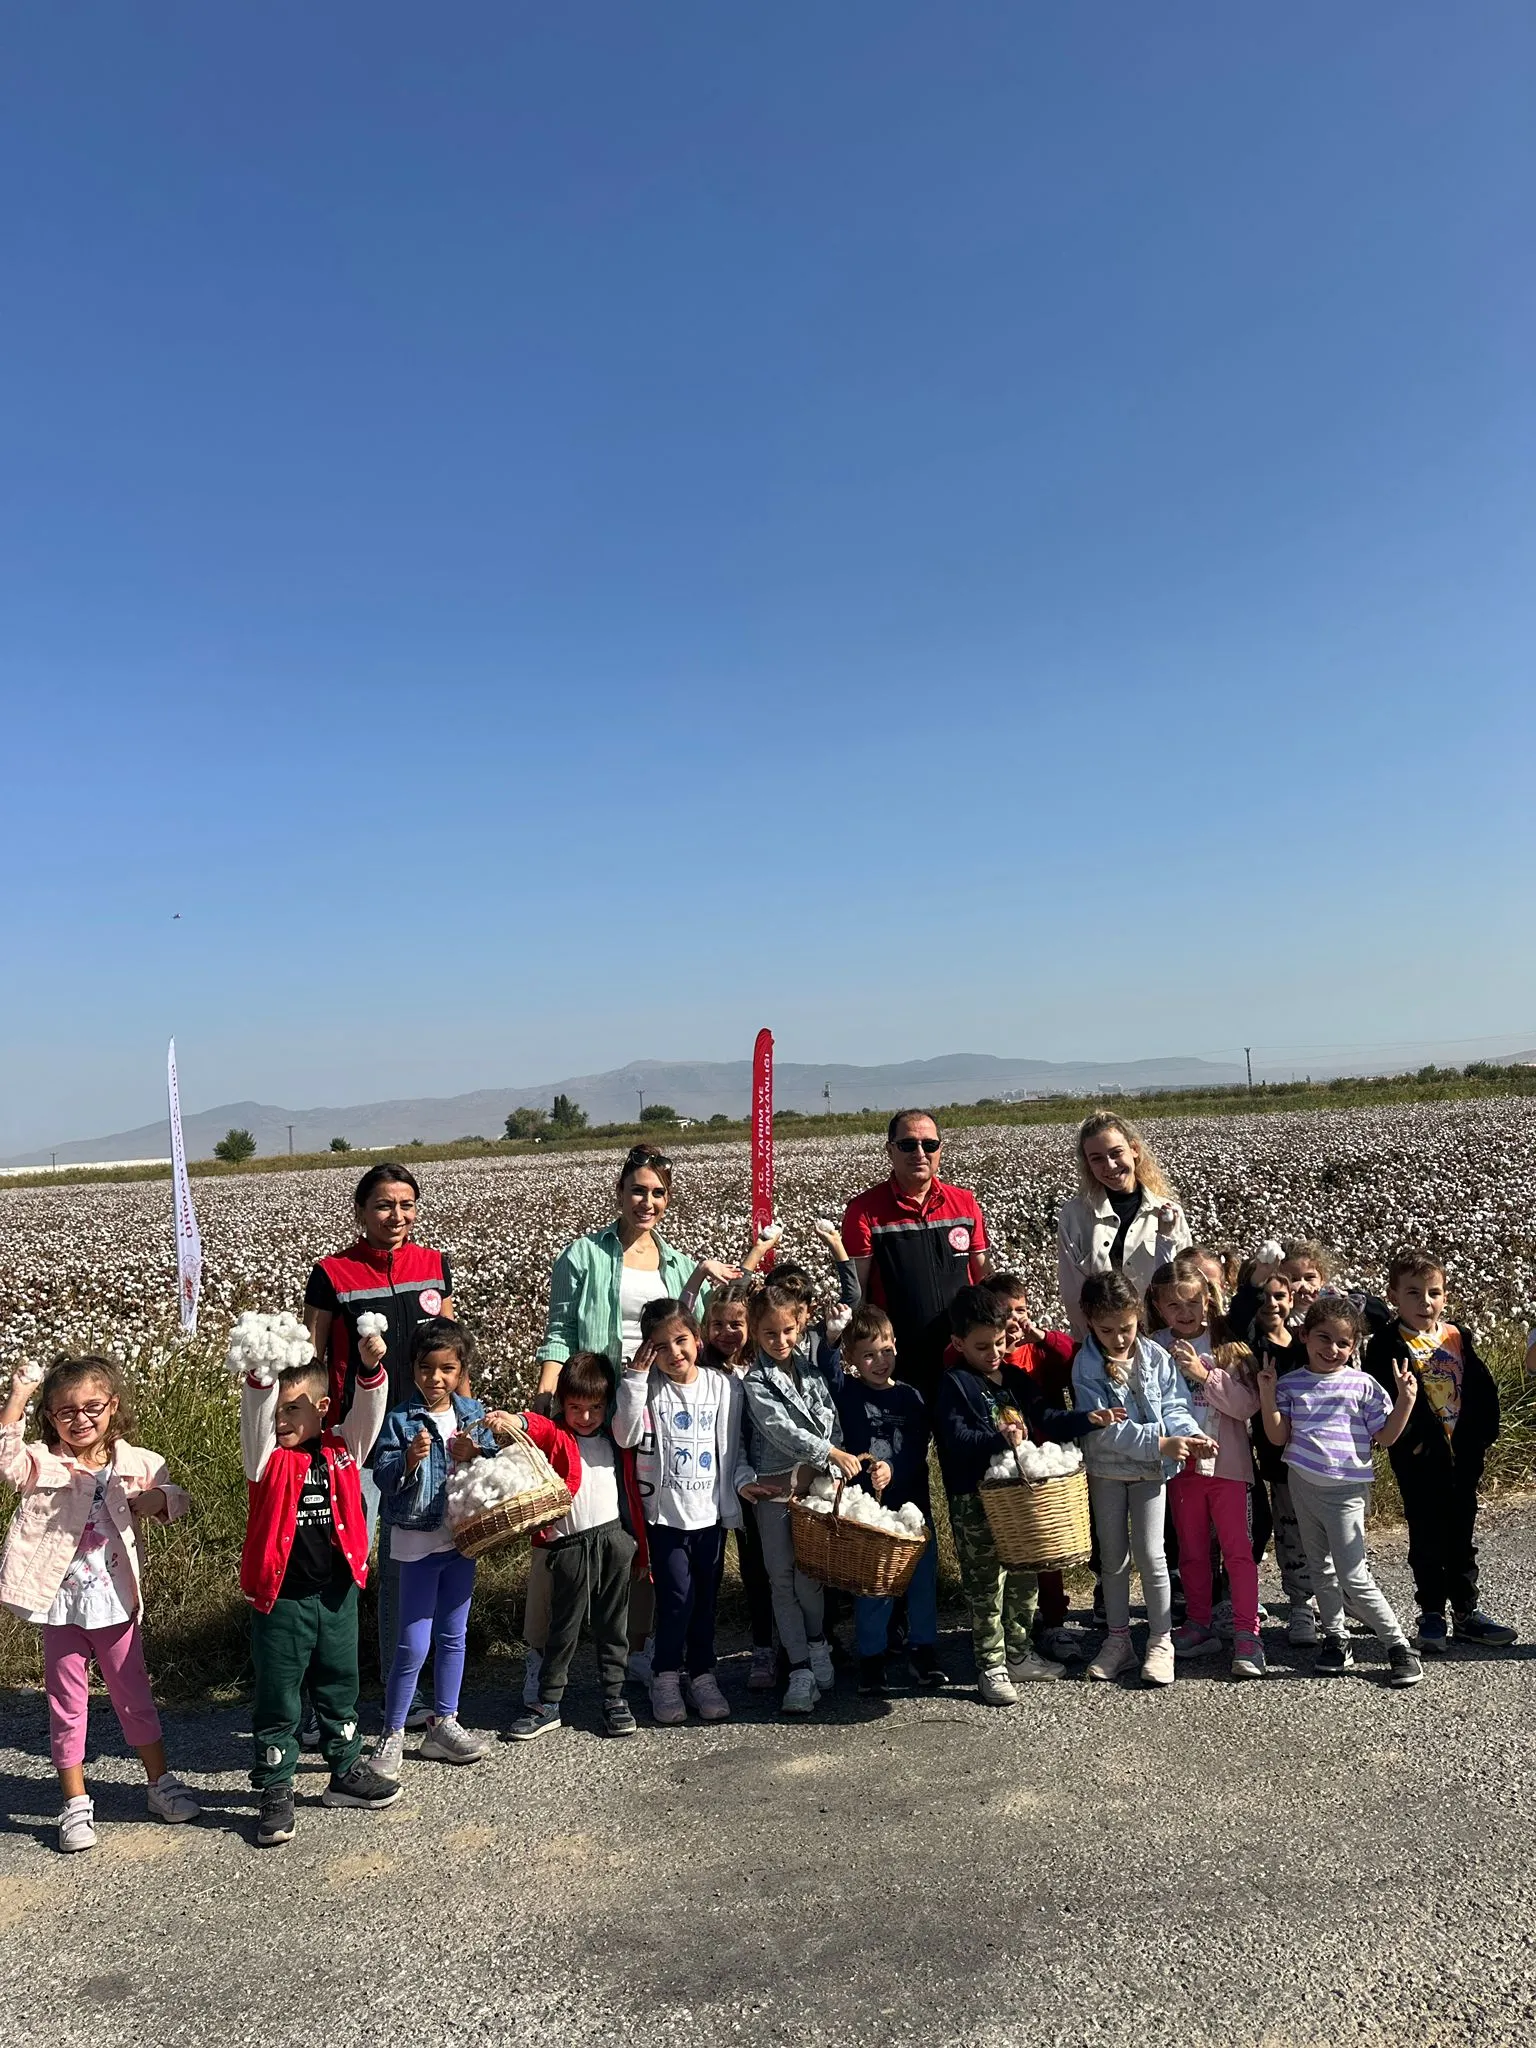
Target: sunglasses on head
644,1155
928,1145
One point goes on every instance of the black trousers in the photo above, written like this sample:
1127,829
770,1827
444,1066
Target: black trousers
588,1584
1440,1502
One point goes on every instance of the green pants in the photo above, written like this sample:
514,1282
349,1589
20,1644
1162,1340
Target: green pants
1001,1599
313,1641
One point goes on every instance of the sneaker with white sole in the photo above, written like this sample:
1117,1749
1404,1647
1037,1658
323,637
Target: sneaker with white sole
1034,1669
360,1786
540,1719
1480,1628
1248,1657
1116,1655
705,1697
533,1665
1301,1629
169,1799
667,1709
447,1741
388,1757
764,1674
820,1654
1406,1668
77,1824
996,1687
1191,1640
1157,1665
418,1715
1432,1636
800,1695
275,1821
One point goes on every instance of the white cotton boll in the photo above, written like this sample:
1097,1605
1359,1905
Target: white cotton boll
1269,1253
770,1233
837,1321
263,1346
911,1519
371,1324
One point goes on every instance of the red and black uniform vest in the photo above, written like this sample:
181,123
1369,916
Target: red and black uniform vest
406,1287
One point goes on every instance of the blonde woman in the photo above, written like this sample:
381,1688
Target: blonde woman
1125,1219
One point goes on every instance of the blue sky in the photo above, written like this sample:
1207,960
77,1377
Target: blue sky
560,535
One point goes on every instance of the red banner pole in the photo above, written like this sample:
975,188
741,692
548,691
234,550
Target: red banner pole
762,1136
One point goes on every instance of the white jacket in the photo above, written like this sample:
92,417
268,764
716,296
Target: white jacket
1085,1232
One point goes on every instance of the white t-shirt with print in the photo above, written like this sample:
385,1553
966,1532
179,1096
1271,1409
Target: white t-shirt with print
97,1589
687,1460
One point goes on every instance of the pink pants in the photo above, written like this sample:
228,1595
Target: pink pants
119,1654
1200,1505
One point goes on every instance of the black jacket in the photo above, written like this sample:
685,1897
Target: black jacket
968,1438
1424,1445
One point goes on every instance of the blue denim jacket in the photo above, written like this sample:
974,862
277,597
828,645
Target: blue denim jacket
415,1500
1155,1403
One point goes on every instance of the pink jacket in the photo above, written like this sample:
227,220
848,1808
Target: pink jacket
56,1495
1230,1403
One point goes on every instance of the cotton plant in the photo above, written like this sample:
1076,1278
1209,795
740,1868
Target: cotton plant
261,1347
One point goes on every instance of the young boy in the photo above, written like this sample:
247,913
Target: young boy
889,1421
593,1551
1439,1457
1045,1359
304,1560
983,1406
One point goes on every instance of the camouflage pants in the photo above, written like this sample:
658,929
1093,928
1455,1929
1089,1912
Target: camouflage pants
1001,1602
1290,1552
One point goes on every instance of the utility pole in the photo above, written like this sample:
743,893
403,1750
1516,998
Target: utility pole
1248,1056
55,1158
641,1093
290,1141
826,1095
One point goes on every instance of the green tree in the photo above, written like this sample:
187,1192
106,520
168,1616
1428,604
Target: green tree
526,1123
341,1144
235,1146
718,1118
566,1115
658,1113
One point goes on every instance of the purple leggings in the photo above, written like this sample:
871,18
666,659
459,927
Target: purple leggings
435,1593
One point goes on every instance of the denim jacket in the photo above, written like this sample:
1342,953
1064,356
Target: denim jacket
415,1500
1155,1403
794,1418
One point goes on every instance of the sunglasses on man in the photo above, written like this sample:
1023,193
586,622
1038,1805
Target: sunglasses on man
928,1145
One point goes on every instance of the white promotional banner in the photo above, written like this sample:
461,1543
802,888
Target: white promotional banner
189,1246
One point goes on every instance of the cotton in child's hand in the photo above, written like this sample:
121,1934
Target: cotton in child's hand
263,1346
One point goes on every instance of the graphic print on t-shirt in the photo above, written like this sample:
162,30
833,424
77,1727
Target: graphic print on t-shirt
1438,1358
315,1560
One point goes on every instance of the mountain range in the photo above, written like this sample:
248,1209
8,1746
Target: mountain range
700,1088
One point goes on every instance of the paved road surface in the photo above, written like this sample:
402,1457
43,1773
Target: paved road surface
1305,1861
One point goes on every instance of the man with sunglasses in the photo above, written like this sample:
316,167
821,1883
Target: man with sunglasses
915,1242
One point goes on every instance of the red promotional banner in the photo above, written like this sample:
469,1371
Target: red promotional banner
762,1136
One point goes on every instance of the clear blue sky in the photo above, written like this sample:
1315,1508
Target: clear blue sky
555,535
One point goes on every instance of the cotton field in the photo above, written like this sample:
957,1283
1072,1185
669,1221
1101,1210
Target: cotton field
94,1266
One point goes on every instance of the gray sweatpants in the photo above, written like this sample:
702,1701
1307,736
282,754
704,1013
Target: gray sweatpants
1128,1520
798,1603
1332,1524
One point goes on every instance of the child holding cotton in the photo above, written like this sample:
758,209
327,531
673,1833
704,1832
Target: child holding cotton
1438,1459
683,1424
1208,1497
1129,1463
1328,1414
887,1422
984,1406
71,1566
728,1348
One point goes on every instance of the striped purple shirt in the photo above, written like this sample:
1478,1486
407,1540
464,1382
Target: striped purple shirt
1333,1416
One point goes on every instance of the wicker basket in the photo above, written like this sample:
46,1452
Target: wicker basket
522,1513
1041,1523
850,1555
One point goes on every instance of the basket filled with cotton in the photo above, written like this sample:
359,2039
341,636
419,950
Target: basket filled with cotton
495,1500
1036,1502
844,1538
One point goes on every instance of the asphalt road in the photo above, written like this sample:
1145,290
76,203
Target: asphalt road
1304,1861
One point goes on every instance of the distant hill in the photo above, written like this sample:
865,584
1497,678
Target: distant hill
693,1088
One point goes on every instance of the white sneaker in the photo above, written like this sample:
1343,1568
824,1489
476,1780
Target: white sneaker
820,1654
800,1695
1301,1630
77,1824
533,1664
1033,1669
640,1662
996,1688
389,1753
170,1800
667,1708
448,1742
706,1699
1115,1656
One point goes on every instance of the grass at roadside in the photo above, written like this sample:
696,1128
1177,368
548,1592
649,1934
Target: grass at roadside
197,1628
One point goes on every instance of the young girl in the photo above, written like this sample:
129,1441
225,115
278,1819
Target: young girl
684,1425
728,1348
416,1446
1128,1463
1209,1497
794,1425
71,1565
1328,1414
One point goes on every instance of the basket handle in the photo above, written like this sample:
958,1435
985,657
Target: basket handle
842,1480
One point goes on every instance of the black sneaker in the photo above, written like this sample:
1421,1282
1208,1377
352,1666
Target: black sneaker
1431,1636
926,1668
276,1821
1478,1627
1335,1655
617,1719
1406,1668
871,1676
361,1786
544,1719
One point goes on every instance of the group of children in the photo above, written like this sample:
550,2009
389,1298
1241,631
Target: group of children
1243,1418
